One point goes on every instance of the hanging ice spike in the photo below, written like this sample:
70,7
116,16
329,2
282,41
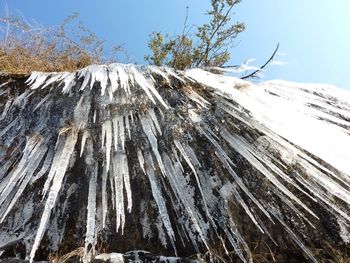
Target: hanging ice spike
188,160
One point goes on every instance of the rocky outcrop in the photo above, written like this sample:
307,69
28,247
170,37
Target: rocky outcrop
151,164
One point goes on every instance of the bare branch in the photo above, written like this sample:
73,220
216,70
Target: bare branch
182,38
185,23
251,75
8,20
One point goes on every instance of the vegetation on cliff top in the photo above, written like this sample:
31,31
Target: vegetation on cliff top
27,47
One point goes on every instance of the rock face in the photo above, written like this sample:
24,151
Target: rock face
149,164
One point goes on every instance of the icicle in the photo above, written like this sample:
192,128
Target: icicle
33,77
34,160
86,134
59,171
121,179
249,121
281,145
98,74
111,183
42,102
158,71
19,101
157,195
54,166
326,182
104,196
9,127
54,77
182,191
90,238
147,87
45,167
244,152
270,111
147,129
132,117
39,81
119,195
155,120
31,149
230,232
141,161
324,198
3,87
102,77
107,135
226,162
182,151
198,228
121,131
113,77
94,117
84,73
82,111
69,82
172,73
115,132
123,76
232,189
127,126
5,111
191,158
194,96
125,169
293,236
290,204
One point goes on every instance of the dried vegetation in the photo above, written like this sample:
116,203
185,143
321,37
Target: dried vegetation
27,47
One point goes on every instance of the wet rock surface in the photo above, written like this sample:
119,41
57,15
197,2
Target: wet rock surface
155,160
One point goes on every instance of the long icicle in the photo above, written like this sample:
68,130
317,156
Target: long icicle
157,195
63,161
90,238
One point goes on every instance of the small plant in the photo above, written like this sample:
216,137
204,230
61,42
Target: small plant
208,47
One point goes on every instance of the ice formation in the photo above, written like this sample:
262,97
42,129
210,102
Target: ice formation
184,133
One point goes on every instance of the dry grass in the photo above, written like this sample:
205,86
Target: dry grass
53,258
20,59
337,255
26,47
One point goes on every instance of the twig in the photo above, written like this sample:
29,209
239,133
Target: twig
207,49
8,20
182,38
185,23
263,66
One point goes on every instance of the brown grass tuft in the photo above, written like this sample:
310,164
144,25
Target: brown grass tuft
26,47
79,252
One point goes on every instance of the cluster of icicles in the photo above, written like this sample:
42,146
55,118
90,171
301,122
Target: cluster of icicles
64,117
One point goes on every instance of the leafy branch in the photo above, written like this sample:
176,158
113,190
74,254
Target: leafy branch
207,46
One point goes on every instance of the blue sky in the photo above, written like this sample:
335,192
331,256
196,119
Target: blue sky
314,34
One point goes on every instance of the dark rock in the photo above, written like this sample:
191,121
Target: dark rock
194,174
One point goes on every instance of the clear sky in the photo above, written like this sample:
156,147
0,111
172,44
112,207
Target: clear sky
314,34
